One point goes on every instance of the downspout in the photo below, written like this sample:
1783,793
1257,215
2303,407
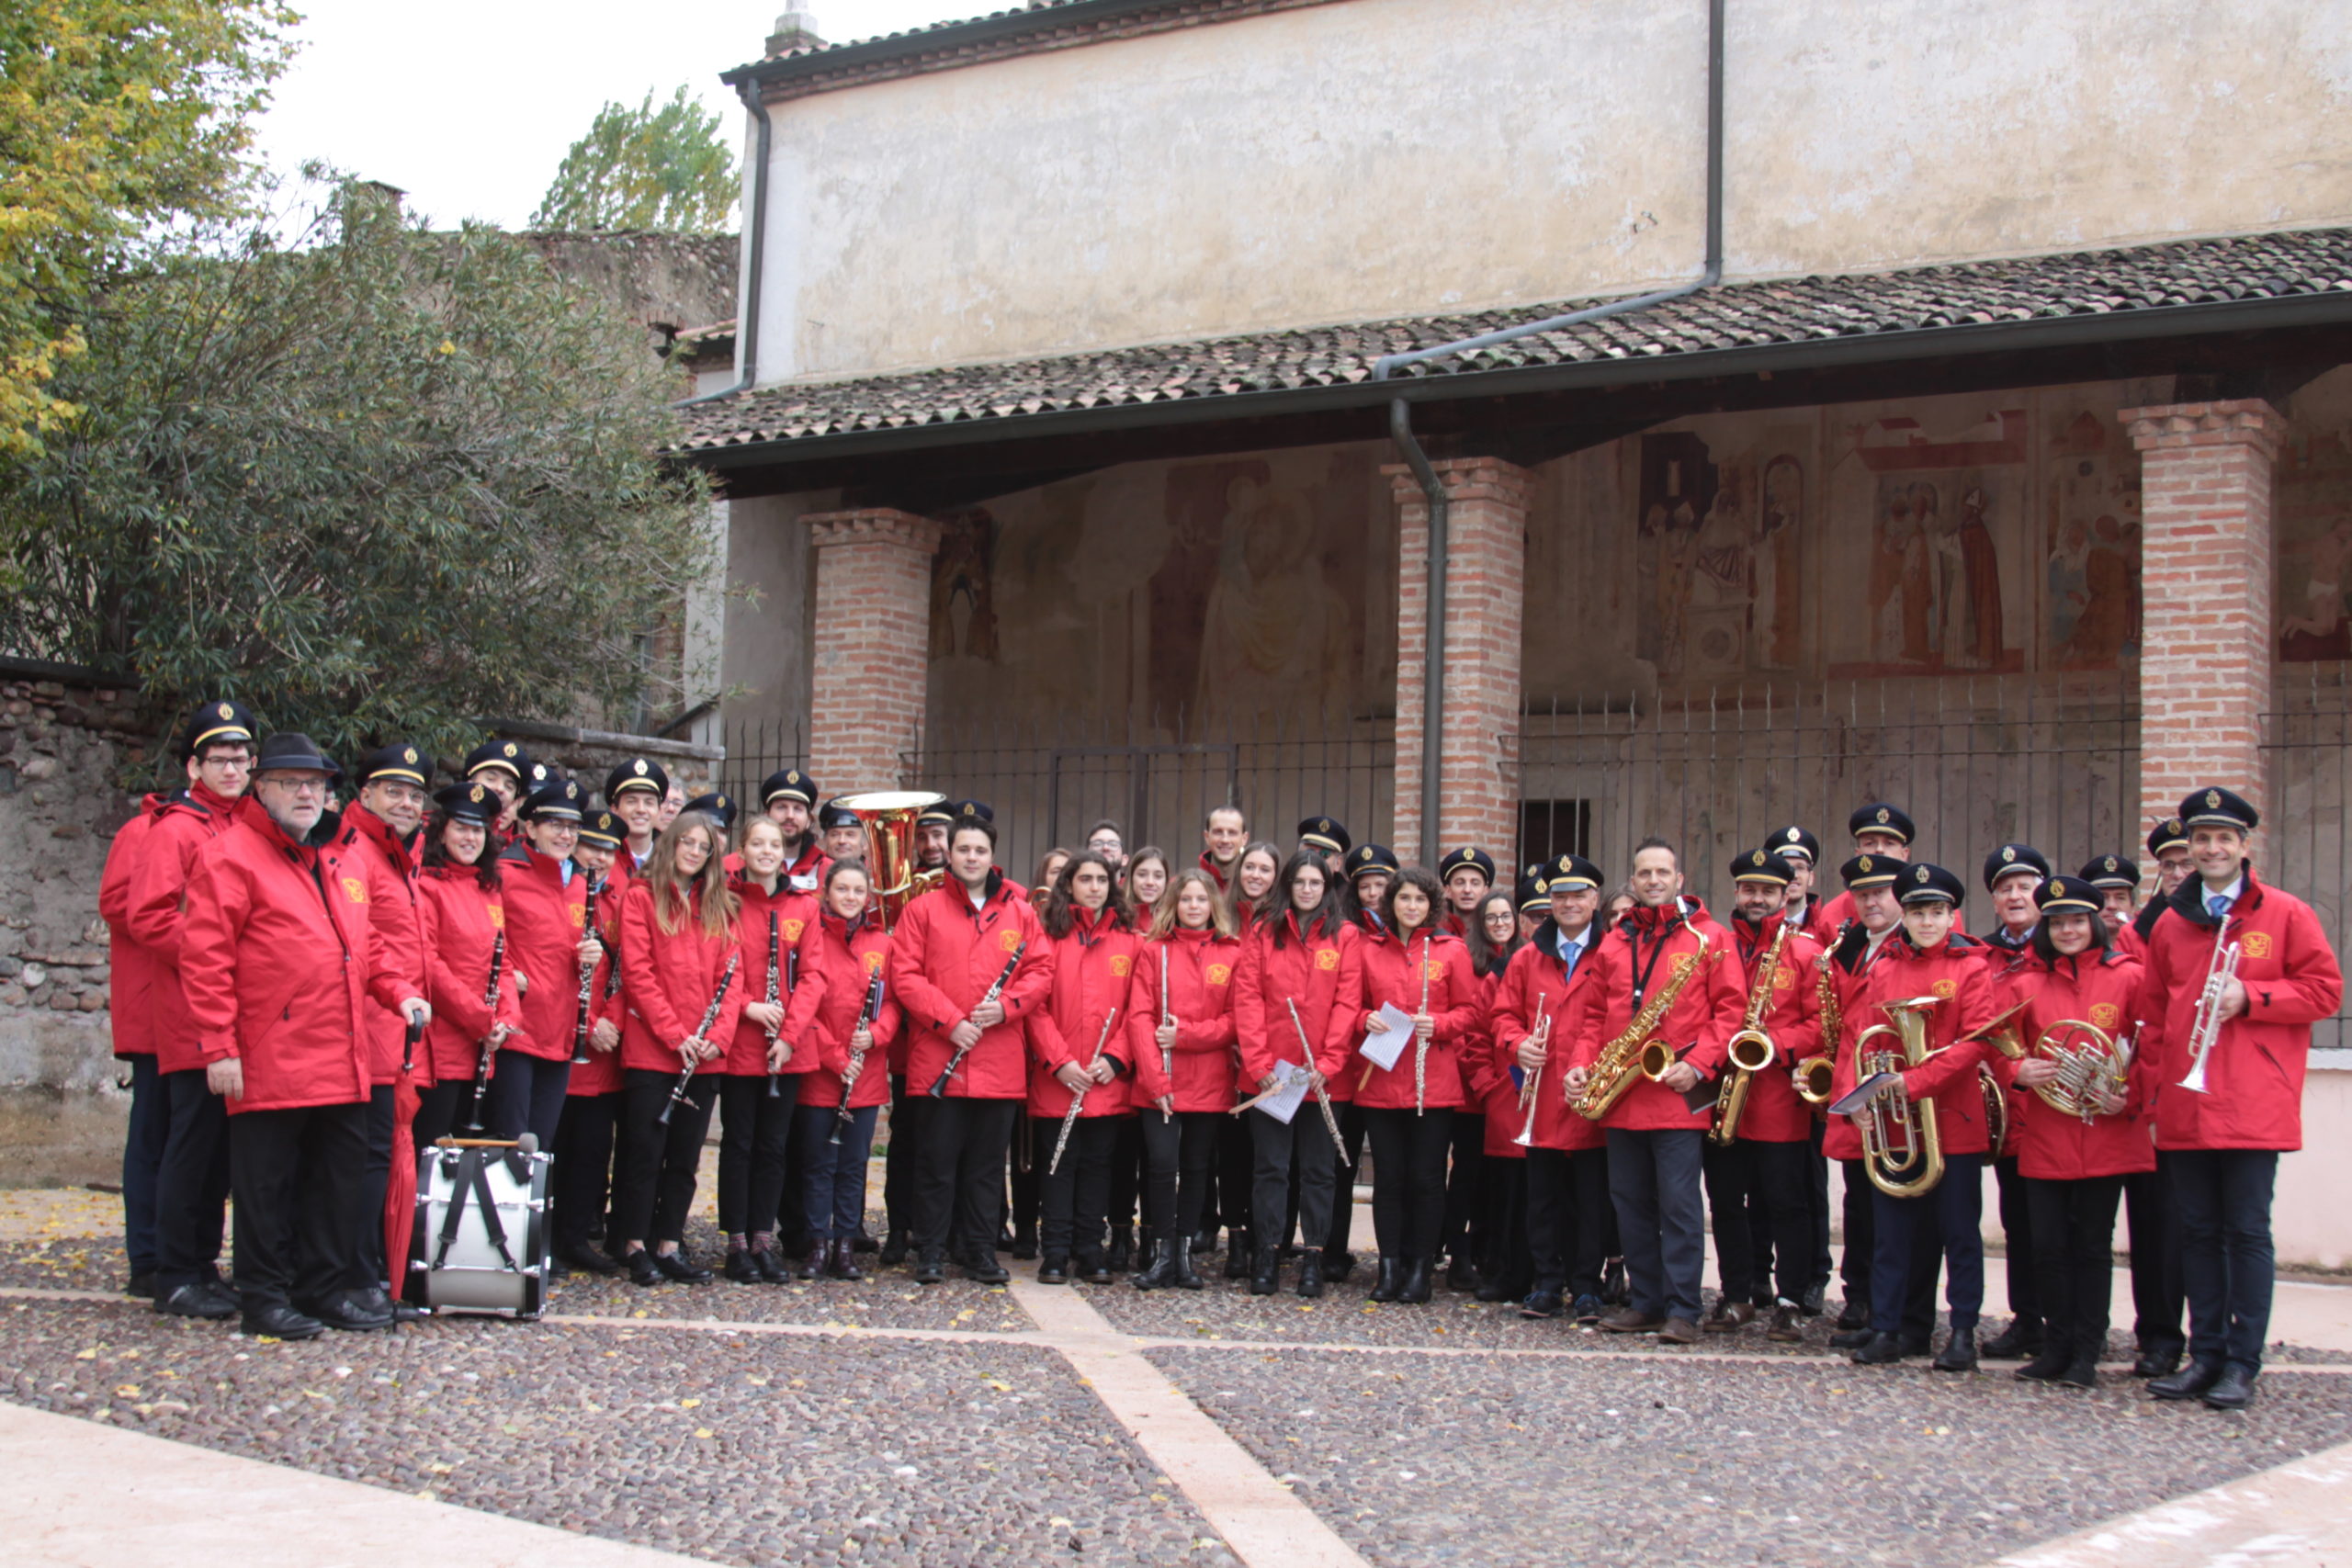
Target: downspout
1400,427
747,327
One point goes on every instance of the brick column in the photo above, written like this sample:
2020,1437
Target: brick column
1485,595
871,634
2207,548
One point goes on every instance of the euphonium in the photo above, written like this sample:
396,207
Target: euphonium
1915,1166
1633,1054
2091,1063
1751,1050
888,817
2004,1035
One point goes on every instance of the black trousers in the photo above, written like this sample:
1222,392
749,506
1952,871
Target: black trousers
1072,1200
898,1160
1021,1186
584,1163
1126,1172
2159,1301
142,1159
526,1096
959,1174
2226,1260
655,1167
833,1176
1509,1264
1945,1220
1464,1228
193,1181
2025,1275
376,1178
1408,1178
1656,1183
443,1110
2074,1254
1343,1183
1295,1168
1235,1197
1818,1197
754,1144
297,1178
1178,1157
1567,1220
1858,1222
1751,1181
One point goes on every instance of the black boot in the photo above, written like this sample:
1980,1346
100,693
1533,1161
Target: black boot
1053,1270
1459,1274
1266,1278
841,1261
931,1266
812,1265
1391,1280
2046,1367
1310,1275
1959,1354
2081,1373
2158,1359
1236,1257
2021,1339
1160,1264
1855,1315
1882,1350
1122,1250
1415,1289
894,1249
640,1268
1186,1279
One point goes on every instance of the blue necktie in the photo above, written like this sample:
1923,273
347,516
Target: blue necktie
1569,952
2217,904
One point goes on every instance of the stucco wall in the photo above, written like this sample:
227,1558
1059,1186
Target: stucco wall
1345,162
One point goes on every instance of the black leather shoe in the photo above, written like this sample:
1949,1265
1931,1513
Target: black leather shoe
1266,1273
1338,1266
1459,1274
2234,1391
931,1267
1414,1291
1879,1350
2081,1373
1854,1314
770,1266
1495,1288
2190,1382
1158,1271
640,1268
1588,1310
1815,1297
2047,1367
142,1285
198,1300
841,1261
1851,1339
377,1299
812,1263
673,1266
1542,1303
281,1321
1310,1275
1095,1271
2021,1339
1053,1270
861,1242
984,1269
1024,1244
587,1259
341,1311
1959,1354
1391,1278
742,1267
2158,1360
1914,1344
894,1249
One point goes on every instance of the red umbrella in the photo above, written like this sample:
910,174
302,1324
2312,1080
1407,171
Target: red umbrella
400,1191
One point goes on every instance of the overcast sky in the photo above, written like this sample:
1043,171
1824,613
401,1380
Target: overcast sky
469,105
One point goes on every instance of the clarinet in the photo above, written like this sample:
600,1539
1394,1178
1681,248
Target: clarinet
938,1090
490,1000
1421,1046
587,978
702,1031
842,1114
1077,1101
775,1090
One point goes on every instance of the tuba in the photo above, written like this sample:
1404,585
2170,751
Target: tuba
2091,1063
1751,1049
1902,1149
889,819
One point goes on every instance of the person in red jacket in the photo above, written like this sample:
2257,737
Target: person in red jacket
789,798
1232,1174
1412,964
1224,830
1505,1269
842,1015
1143,878
1362,873
2013,874
1761,1174
1570,1220
2168,850
129,982
1857,946
969,965
1291,958
379,840
184,1202
505,769
2072,1167
682,995
766,1063
546,900
636,791
1880,831
277,958
1078,1054
1181,1045
2229,1105
1929,959
1466,874
580,1178
468,973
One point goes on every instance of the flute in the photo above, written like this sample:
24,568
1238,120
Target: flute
938,1090
1077,1101
1420,1042
481,1059
1167,1053
1322,1101
842,1114
702,1032
587,977
775,1090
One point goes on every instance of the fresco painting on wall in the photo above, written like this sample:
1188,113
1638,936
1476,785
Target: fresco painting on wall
1718,561
963,586
2315,505
2091,545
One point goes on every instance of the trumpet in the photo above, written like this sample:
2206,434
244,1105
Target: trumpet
2205,1030
2088,1072
1525,1138
1901,1146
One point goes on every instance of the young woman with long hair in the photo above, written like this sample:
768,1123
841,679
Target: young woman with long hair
842,1013
1504,1265
547,940
1143,879
765,1064
1181,1030
461,912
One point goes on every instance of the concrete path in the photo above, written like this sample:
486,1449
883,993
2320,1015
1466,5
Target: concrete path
2298,1515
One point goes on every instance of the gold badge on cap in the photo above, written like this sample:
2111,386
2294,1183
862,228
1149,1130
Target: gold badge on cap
476,794
1884,817
227,712
1863,865
408,755
1758,859
1920,874
2111,866
639,766
2008,852
2212,799
508,749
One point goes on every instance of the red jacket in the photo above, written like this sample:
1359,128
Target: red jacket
461,924
1536,986
1305,970
1955,974
1497,1090
1840,1138
944,957
2254,1075
668,980
370,850
1093,968
1653,945
131,968
837,967
545,917
1774,1115
1199,967
155,905
275,957
1375,969
2100,992
796,937
601,1072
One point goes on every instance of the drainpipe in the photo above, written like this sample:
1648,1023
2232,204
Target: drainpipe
747,327
1401,428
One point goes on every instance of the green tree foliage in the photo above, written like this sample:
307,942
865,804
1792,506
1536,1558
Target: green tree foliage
645,168
116,117
375,482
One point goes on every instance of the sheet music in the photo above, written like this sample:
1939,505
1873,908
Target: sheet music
1383,1049
1284,1104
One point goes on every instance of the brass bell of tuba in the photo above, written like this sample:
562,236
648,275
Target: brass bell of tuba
888,817
1901,1147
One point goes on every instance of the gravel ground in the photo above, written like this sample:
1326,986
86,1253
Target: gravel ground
744,1450
1455,1460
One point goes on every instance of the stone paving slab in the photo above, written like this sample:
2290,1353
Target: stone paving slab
748,1448
1427,1460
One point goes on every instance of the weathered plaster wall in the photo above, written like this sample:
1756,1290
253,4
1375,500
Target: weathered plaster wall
1347,162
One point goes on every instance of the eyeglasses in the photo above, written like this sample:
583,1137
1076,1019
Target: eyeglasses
293,785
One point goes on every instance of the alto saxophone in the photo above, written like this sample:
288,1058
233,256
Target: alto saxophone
1621,1060
1751,1049
1815,1075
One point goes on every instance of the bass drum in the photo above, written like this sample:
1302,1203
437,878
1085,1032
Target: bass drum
480,1243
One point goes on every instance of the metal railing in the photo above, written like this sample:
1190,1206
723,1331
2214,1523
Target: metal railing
756,747
2302,848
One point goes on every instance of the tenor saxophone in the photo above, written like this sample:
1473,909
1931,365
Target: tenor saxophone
1620,1061
1751,1050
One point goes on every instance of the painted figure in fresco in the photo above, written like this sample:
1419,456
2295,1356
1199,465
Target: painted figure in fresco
963,573
1677,556
2103,613
2330,556
1973,615
1274,632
